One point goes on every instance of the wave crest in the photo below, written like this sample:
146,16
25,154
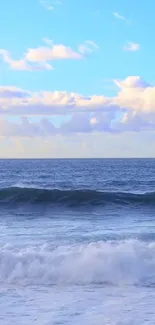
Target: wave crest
72,197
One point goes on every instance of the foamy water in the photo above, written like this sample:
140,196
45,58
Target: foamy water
121,263
48,278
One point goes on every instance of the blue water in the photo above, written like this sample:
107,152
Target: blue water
77,242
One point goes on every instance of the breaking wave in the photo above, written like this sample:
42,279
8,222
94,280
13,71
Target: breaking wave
129,262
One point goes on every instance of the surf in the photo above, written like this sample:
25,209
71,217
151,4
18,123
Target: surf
128,262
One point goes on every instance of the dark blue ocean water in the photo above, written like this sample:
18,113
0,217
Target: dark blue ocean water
77,241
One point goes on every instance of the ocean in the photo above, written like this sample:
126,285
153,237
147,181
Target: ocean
77,242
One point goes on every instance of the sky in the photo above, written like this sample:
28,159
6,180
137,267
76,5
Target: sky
77,78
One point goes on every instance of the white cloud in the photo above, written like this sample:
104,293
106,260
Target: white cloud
48,41
26,128
23,64
132,82
118,16
14,64
88,47
133,109
40,58
7,92
133,121
57,52
134,94
131,47
50,5
47,4
51,103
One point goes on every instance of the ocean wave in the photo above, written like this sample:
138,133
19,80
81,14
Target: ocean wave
28,195
119,263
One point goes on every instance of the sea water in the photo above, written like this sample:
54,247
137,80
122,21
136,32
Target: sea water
77,242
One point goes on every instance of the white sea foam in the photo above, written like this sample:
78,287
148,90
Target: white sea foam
117,263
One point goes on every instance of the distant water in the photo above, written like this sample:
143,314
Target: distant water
77,242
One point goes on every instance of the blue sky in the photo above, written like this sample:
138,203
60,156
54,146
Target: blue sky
102,42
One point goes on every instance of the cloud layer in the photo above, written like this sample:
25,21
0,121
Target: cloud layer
133,109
